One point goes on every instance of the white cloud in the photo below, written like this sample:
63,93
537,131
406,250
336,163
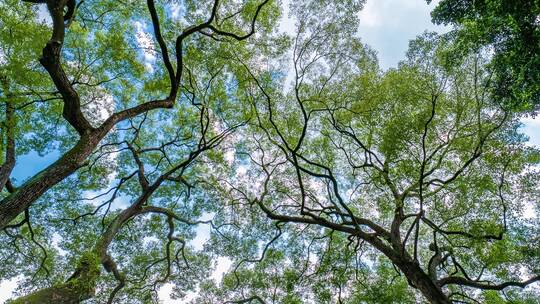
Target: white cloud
388,25
370,16
223,264
532,129
286,24
176,11
146,43
164,294
7,288
43,15
202,233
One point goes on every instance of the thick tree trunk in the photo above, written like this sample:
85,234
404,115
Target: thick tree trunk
9,164
417,277
21,199
25,195
80,286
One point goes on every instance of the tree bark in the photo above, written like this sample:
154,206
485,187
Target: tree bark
79,287
25,195
82,284
9,164
420,280
416,276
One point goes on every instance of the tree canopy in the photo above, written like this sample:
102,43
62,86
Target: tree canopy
510,31
321,177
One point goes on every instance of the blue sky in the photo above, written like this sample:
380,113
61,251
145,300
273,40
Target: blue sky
386,25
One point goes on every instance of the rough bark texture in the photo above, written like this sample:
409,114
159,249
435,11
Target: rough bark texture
416,276
30,191
414,273
9,163
423,283
26,194
21,199
80,286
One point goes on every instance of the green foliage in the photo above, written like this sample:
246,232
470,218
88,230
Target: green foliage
508,29
299,149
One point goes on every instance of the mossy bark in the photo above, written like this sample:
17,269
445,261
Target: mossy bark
80,286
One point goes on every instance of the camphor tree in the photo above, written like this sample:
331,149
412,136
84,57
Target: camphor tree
349,185
131,135
372,182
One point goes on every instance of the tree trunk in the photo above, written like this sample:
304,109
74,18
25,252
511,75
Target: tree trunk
25,195
416,276
420,280
80,286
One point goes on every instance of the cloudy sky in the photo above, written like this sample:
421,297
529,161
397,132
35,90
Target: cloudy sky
386,25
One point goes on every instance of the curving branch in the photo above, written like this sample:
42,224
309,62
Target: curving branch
461,281
76,157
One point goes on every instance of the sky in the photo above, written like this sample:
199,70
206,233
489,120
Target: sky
386,25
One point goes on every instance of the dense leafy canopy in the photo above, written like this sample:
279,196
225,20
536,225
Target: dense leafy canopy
510,30
320,177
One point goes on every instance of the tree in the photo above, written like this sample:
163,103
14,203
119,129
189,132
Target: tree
348,185
415,174
508,29
94,101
